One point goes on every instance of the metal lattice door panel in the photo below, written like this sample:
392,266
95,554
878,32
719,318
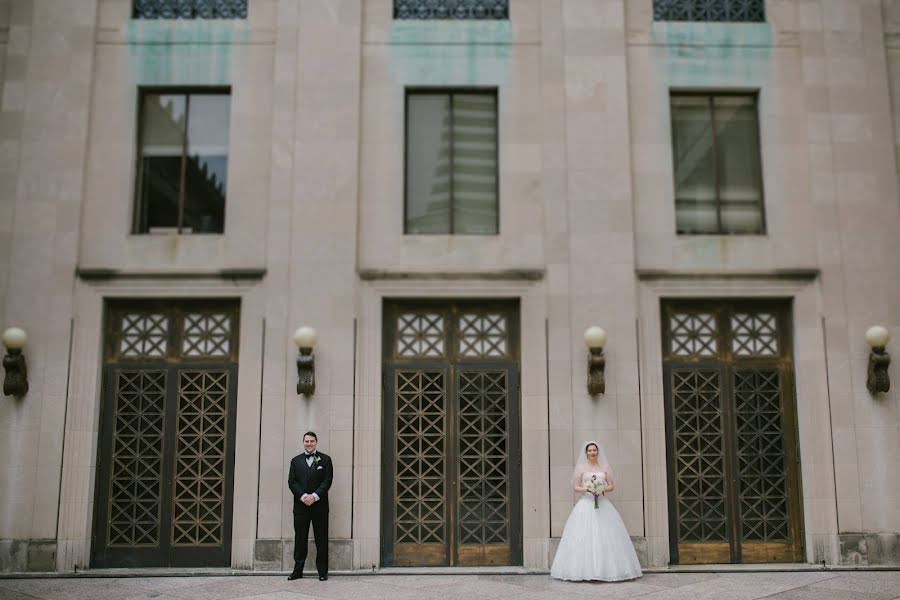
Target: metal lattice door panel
136,467
765,484
451,435
698,451
419,523
731,433
166,464
484,466
201,452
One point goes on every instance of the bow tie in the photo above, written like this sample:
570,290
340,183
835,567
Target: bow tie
310,455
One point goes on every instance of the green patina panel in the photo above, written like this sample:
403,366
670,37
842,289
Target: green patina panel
714,55
450,53
184,52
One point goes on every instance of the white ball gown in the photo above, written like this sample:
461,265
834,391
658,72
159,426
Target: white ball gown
595,544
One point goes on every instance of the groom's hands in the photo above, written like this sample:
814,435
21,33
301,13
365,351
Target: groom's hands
309,499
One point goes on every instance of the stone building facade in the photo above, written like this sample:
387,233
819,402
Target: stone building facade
720,197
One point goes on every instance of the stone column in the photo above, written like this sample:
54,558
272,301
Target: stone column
44,117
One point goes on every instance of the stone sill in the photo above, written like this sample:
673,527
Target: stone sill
497,275
87,274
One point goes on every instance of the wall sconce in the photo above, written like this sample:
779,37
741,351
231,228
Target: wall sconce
595,338
305,338
16,381
878,380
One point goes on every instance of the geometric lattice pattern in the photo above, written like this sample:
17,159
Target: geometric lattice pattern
190,9
730,409
201,448
420,335
420,462
693,334
483,335
709,10
483,457
451,9
143,335
761,455
137,459
206,334
754,334
699,456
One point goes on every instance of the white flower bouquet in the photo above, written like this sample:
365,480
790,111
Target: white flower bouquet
596,487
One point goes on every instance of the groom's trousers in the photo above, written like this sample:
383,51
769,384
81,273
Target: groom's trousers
317,514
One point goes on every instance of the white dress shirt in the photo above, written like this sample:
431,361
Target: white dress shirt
309,461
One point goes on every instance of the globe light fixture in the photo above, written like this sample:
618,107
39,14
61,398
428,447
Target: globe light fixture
305,339
878,380
15,383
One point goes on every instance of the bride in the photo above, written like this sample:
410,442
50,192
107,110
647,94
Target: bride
595,544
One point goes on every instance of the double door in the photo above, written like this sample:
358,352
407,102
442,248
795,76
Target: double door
731,433
452,469
164,491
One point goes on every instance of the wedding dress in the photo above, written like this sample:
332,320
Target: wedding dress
595,544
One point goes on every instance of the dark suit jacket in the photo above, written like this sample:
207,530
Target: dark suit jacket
306,480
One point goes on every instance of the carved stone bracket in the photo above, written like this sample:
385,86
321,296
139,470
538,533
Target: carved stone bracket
596,382
306,372
16,381
878,380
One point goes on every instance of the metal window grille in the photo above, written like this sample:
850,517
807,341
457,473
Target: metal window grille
710,10
189,9
451,9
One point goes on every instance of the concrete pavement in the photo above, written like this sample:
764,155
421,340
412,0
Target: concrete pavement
803,585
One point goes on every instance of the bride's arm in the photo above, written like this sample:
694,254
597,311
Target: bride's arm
576,483
610,484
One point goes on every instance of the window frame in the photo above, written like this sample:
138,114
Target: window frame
711,96
140,206
450,91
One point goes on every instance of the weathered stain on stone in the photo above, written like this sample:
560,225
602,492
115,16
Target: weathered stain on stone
184,52
471,53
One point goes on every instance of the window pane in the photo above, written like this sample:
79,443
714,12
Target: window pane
739,169
695,193
428,164
474,163
207,163
162,137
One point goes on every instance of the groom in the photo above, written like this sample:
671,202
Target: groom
309,478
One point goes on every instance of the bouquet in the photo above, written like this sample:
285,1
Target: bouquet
596,486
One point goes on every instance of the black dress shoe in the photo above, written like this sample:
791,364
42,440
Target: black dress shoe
323,577
295,575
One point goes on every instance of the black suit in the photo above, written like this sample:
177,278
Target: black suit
311,479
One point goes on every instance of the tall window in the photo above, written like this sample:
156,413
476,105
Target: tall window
182,162
451,9
451,162
709,10
189,9
718,178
